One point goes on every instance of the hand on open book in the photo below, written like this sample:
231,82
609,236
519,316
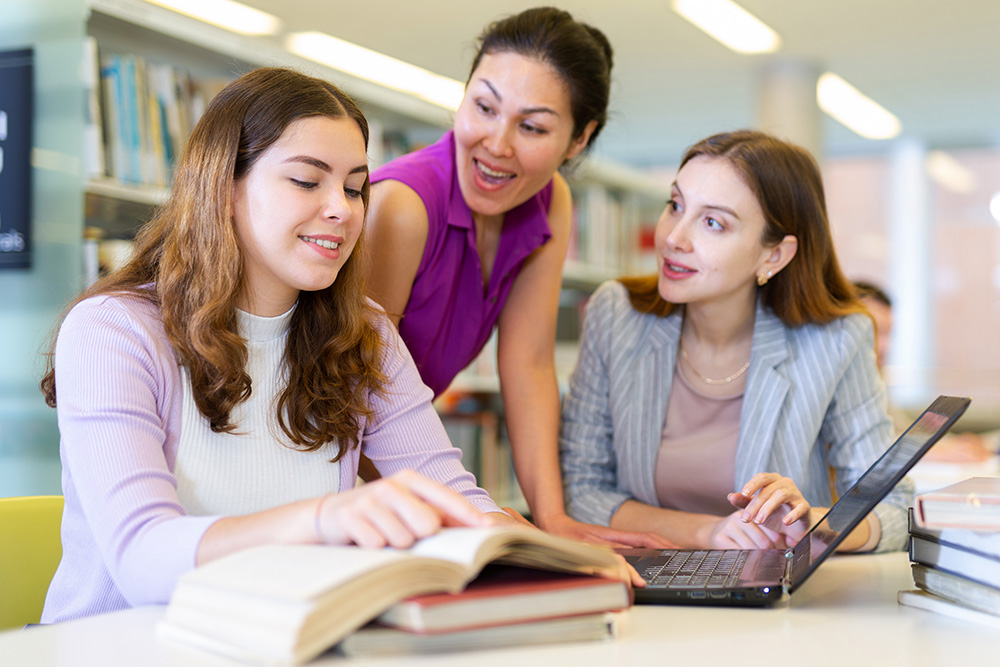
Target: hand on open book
626,572
395,511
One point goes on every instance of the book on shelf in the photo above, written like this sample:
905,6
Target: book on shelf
289,603
115,162
972,503
928,602
374,640
149,110
93,130
504,594
958,589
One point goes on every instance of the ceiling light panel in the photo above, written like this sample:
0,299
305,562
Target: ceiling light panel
730,24
378,68
226,14
854,109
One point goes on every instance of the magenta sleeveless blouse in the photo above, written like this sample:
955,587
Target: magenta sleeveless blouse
449,316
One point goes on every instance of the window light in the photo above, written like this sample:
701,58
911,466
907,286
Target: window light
949,173
730,24
854,109
995,207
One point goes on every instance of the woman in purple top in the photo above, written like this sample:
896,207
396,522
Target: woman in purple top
215,393
471,233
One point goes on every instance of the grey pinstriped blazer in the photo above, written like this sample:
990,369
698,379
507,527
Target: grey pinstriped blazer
806,386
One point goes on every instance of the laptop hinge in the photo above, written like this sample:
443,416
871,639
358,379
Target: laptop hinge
786,581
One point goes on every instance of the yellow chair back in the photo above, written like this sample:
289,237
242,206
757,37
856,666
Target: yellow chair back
30,549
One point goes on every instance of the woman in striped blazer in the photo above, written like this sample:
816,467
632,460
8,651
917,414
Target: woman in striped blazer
747,363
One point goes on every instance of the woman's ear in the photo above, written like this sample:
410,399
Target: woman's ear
780,256
577,145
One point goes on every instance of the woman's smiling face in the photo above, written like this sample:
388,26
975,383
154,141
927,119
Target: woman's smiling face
709,238
513,130
299,211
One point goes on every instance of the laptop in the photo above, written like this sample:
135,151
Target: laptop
761,577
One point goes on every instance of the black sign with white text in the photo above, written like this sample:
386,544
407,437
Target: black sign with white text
16,94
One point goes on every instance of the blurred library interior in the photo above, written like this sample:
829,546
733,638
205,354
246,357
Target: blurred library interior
914,200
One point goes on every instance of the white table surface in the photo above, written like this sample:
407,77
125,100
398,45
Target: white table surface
846,614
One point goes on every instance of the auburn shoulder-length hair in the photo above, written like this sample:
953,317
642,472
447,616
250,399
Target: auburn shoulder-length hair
187,261
786,181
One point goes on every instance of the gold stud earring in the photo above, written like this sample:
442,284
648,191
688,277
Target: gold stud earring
762,279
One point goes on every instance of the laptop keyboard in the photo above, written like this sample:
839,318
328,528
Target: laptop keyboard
718,568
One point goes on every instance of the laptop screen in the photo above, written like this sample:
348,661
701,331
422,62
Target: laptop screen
873,486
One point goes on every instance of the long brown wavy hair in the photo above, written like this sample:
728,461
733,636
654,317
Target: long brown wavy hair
188,262
787,183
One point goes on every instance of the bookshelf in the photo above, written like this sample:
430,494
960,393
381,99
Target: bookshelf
98,211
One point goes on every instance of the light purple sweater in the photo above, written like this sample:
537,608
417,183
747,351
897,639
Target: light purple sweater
125,536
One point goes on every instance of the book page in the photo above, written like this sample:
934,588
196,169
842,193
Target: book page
475,547
292,572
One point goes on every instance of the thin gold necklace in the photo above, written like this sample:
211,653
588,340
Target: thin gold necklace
706,379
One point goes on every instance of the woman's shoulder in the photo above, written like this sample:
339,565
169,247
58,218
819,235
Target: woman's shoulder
140,308
379,320
611,306
427,171
854,325
847,334
610,296
115,322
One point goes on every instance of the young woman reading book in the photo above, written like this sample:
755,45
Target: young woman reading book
746,363
471,233
216,392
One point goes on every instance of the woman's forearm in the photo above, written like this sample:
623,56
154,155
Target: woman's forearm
531,406
686,529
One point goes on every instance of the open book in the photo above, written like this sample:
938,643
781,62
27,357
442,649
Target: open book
281,604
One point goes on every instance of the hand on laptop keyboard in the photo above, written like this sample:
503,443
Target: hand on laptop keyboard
771,514
769,492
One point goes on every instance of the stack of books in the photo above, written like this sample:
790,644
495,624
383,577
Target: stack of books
461,588
955,551
504,606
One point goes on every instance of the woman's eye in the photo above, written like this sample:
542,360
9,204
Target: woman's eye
713,223
533,129
353,194
305,185
673,205
483,108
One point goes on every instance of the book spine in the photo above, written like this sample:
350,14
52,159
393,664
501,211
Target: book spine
982,541
944,512
111,78
130,121
955,559
93,154
957,588
929,602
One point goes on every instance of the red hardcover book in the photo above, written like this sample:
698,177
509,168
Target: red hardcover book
502,595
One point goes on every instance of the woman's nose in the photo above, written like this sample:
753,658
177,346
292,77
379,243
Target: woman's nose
497,141
337,206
